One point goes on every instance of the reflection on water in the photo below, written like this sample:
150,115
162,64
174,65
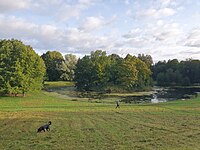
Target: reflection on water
163,95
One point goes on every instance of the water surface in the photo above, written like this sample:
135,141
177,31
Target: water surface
161,94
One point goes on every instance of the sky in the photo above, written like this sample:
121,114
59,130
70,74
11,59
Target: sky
164,29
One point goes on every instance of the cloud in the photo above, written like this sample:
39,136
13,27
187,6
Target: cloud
39,36
86,2
85,42
153,34
193,39
165,2
156,13
132,33
138,42
66,10
50,37
137,38
10,5
61,10
169,31
94,23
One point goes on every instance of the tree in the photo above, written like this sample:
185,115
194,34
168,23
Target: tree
147,59
90,72
21,69
100,72
174,72
53,60
142,73
67,67
83,74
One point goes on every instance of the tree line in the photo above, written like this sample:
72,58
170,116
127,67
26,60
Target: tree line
23,70
174,72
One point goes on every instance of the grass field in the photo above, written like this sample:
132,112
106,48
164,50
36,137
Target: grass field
79,124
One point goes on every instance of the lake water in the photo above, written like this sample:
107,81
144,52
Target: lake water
164,94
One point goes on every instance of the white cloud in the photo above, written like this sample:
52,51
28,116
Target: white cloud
193,39
133,33
154,34
50,37
42,36
10,5
164,32
138,42
165,2
93,23
79,40
86,2
61,10
156,13
66,11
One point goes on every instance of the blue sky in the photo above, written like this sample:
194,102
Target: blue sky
164,29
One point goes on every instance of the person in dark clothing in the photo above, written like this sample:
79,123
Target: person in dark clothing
117,104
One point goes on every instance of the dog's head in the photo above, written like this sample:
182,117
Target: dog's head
39,130
49,122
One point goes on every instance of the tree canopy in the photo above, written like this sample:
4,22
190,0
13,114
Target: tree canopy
101,72
53,60
67,67
174,72
21,69
59,68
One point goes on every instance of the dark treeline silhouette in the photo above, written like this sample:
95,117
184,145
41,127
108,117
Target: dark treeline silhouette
174,72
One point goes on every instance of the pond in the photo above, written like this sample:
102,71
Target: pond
161,94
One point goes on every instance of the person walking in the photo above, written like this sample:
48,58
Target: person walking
117,104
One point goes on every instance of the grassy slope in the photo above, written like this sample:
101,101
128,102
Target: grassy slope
83,125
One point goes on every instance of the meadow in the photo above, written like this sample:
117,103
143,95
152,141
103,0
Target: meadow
81,123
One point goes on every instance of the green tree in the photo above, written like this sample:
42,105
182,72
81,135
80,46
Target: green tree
53,60
67,67
83,74
147,59
141,77
101,72
174,72
21,69
90,73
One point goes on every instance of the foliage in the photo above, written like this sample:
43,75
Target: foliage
147,59
101,72
59,68
174,72
21,69
52,61
67,67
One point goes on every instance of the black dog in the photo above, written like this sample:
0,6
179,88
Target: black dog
44,127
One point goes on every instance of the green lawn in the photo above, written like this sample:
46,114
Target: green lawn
84,125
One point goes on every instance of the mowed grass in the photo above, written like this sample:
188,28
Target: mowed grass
97,126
